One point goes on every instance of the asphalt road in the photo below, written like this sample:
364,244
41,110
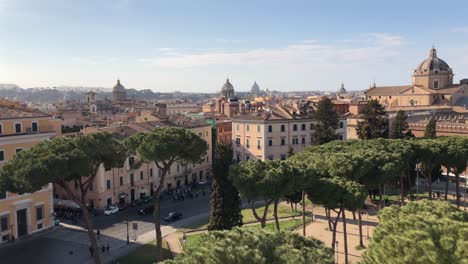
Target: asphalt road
63,245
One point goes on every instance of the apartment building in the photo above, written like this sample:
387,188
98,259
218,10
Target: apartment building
137,180
21,128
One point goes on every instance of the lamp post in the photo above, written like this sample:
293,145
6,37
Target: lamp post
336,251
128,236
367,225
417,181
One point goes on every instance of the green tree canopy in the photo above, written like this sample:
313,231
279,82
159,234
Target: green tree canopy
419,232
225,199
431,128
399,126
374,123
255,246
327,122
166,146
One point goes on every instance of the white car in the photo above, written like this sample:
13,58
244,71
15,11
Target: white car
111,210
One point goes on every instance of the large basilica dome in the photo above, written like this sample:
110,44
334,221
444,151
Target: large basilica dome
118,92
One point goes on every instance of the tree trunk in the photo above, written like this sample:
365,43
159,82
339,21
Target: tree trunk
361,242
345,237
262,219
303,214
335,223
354,215
381,202
447,185
92,237
156,215
402,189
457,188
429,189
295,207
275,214
327,213
292,208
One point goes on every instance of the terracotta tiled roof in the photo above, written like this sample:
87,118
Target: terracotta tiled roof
387,90
13,113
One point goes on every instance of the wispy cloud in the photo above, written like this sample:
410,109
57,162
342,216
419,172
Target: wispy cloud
379,47
94,60
460,29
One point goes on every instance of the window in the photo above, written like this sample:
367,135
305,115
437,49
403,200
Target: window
2,155
341,124
270,157
238,141
282,128
295,127
247,157
18,128
303,140
258,144
39,213
34,127
18,150
283,156
282,142
247,143
131,161
121,180
270,128
303,126
341,137
258,128
141,175
248,128
178,167
132,180
151,172
1,129
4,232
270,142
238,157
295,141
311,126
108,184
436,84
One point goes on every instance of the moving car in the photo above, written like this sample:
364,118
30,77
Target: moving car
111,210
146,210
173,216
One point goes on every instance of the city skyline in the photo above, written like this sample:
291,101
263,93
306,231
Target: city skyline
192,47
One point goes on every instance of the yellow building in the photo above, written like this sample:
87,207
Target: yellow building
130,183
20,128
432,84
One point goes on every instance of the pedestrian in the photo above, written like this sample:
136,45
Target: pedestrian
12,239
98,233
107,249
91,251
103,248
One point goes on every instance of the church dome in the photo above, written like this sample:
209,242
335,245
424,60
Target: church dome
433,64
118,92
118,87
227,90
255,88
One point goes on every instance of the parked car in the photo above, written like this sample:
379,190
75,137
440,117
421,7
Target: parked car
111,210
146,210
123,206
173,216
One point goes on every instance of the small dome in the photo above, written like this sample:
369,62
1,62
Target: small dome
118,87
227,90
255,88
433,64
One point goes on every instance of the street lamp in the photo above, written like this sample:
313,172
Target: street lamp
128,236
336,252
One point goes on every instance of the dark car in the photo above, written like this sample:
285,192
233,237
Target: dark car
173,216
123,206
146,210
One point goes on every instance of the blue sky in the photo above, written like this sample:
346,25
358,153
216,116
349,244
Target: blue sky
193,45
